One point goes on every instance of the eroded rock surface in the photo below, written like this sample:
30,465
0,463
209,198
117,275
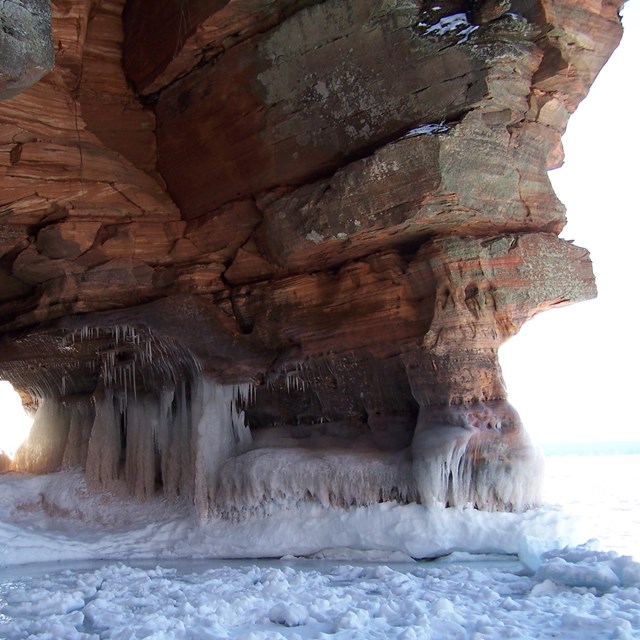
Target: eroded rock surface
26,44
262,252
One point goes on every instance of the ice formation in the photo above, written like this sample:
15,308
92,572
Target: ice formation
446,465
220,434
369,587
457,461
175,437
275,477
193,440
188,435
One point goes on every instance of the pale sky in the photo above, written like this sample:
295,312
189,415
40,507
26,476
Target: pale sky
14,423
571,373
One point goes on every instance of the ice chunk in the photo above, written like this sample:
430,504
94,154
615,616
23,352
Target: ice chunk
598,575
532,550
585,567
290,615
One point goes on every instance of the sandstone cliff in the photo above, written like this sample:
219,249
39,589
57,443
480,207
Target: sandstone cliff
246,236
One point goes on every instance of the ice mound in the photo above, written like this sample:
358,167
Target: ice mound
55,516
584,567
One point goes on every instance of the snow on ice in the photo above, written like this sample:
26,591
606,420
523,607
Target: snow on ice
301,599
428,129
362,581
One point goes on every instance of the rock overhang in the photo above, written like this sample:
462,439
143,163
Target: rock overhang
345,207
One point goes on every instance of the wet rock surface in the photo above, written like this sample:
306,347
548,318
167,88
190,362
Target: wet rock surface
296,226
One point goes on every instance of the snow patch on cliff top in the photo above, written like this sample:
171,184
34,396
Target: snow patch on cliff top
456,23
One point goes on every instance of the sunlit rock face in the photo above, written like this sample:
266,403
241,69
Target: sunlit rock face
260,253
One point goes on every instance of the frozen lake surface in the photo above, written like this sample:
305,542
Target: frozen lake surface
603,492
578,592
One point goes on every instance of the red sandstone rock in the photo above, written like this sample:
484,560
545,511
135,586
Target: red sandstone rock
344,204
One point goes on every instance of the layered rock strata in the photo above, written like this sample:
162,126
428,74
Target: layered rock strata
256,253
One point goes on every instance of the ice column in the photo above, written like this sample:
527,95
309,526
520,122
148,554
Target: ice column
142,418
81,419
219,434
103,455
173,439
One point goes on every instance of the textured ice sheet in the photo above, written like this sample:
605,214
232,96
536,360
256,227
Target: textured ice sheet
259,602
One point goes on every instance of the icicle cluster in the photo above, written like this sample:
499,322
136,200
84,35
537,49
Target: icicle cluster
457,466
52,381
132,358
267,478
143,440
176,438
